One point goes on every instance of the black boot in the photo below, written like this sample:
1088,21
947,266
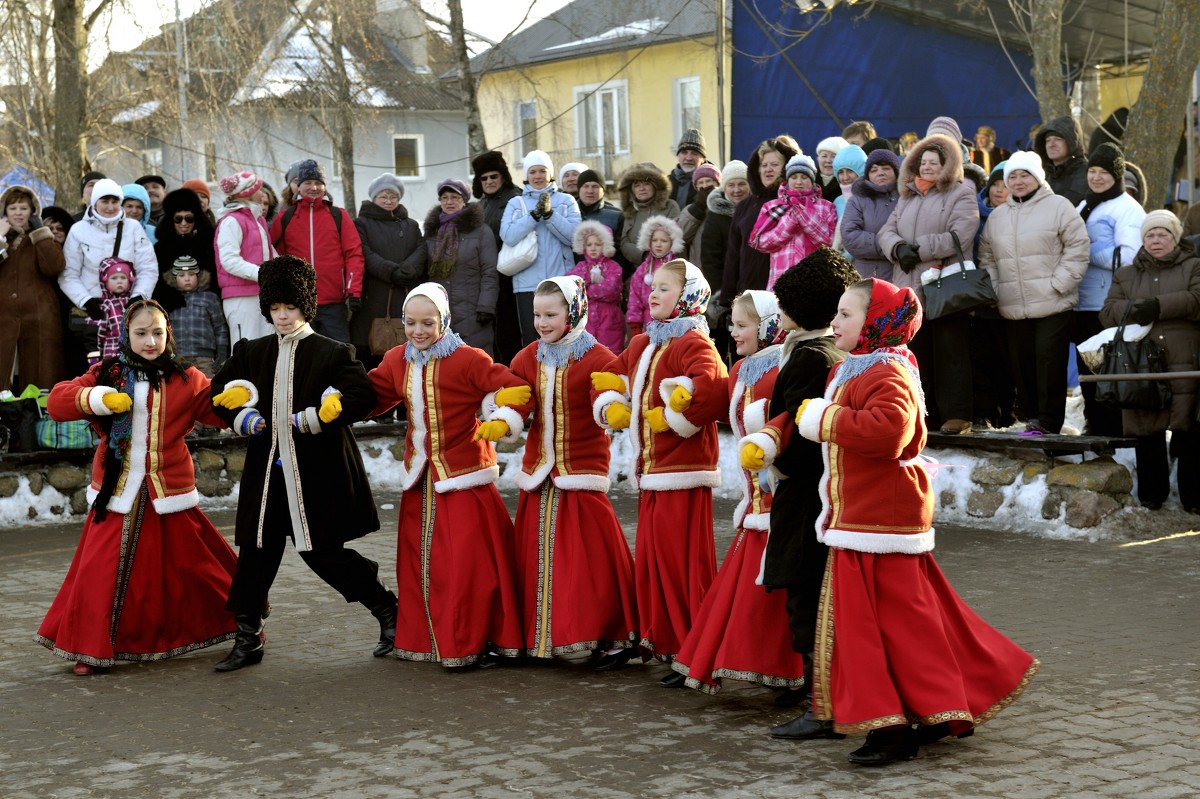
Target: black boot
382,605
886,746
805,728
247,647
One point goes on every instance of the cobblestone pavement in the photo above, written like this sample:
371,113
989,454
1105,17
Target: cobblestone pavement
1113,713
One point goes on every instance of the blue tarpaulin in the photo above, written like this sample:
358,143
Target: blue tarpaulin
896,72
20,176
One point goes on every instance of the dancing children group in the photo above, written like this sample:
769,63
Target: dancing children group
861,626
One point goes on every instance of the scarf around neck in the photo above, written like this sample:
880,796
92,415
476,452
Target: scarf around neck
444,257
1092,199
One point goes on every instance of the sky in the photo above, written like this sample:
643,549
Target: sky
491,19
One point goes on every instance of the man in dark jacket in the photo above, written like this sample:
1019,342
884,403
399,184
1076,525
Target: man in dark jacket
691,153
1060,144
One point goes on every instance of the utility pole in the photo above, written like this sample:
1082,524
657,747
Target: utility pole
722,154
184,79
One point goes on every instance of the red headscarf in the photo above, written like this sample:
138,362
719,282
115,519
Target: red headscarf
893,318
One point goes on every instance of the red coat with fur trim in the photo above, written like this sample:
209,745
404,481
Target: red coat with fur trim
563,443
158,455
748,406
876,493
684,456
442,399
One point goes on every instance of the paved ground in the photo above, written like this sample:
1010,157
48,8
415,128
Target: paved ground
1115,711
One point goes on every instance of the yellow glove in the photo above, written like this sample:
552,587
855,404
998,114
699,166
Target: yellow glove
753,457
607,381
617,415
331,408
513,395
231,398
681,399
117,402
491,431
800,410
658,422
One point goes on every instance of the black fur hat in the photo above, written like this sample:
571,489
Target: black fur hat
810,290
290,281
491,161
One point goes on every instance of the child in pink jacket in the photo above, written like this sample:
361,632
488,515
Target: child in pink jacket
661,239
602,276
795,224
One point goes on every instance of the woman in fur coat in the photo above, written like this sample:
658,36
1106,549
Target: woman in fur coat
462,258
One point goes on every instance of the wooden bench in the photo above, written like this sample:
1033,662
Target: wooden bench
996,441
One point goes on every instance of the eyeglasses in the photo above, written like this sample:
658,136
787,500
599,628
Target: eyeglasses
492,176
184,218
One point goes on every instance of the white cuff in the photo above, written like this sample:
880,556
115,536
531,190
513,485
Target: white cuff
246,384
809,425
601,404
769,447
95,400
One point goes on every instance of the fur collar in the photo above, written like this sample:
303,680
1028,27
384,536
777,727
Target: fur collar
952,169
369,210
865,188
472,217
718,203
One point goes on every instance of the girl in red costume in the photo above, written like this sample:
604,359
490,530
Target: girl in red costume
151,574
458,602
573,563
741,631
670,388
896,646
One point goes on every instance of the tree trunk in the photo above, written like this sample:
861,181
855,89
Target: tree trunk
476,141
1045,36
69,152
343,144
1156,119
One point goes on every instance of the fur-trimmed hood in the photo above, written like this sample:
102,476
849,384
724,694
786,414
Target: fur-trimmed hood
719,204
204,279
660,223
591,227
952,169
648,172
11,190
182,200
471,218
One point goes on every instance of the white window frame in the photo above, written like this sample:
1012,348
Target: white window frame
419,138
677,103
152,160
593,93
518,128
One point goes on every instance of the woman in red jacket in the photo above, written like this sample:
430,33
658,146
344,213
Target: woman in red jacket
151,574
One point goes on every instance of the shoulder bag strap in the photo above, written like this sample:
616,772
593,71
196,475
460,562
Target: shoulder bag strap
116,253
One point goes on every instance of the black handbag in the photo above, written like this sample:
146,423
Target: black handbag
968,290
1123,357
18,425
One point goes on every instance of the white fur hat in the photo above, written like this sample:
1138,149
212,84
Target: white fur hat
833,144
659,222
1028,160
591,227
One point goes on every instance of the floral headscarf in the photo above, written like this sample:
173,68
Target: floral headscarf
576,340
893,318
448,341
688,312
770,325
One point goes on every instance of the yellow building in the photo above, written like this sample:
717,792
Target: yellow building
608,84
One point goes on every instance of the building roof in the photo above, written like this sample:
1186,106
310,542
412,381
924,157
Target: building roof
590,27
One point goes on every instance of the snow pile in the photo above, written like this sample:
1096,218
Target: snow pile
25,506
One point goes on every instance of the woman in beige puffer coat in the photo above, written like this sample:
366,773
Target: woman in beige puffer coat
1035,248
934,202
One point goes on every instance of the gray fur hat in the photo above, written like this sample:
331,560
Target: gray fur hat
387,181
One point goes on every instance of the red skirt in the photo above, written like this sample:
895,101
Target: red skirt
575,571
455,576
741,631
674,564
142,587
897,645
